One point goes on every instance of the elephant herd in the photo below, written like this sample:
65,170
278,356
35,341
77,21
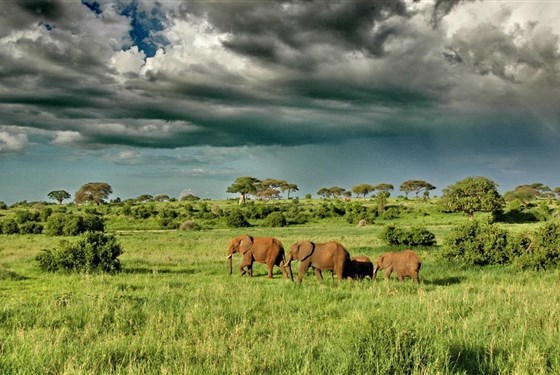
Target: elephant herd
319,256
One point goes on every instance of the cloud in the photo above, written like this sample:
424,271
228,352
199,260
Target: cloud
12,142
245,73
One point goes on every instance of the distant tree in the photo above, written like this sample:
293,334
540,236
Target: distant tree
289,188
96,192
268,194
557,191
59,195
323,192
336,191
524,193
363,190
472,194
385,188
244,186
145,198
416,186
161,198
190,197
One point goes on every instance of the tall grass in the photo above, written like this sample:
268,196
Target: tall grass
174,310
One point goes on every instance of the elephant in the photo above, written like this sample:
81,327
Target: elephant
404,263
266,250
320,256
359,267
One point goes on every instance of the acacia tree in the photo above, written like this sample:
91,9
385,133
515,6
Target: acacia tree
59,195
289,188
416,186
472,194
244,186
363,190
93,192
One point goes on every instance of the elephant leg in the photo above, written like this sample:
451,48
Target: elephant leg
388,272
246,262
339,272
415,277
319,274
303,267
283,269
400,277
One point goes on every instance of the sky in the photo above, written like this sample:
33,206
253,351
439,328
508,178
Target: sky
177,97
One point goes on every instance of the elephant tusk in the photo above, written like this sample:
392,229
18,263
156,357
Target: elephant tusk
229,256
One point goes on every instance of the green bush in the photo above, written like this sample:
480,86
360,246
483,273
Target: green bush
25,216
416,236
94,252
236,219
543,251
31,227
59,224
276,219
10,227
480,242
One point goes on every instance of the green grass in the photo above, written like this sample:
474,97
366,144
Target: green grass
174,310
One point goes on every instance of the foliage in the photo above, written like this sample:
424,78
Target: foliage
472,194
93,252
416,186
363,190
544,249
244,186
93,192
415,236
59,195
276,219
59,224
10,226
3,205
236,219
480,242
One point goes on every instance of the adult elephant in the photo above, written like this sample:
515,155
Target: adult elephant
405,263
359,268
266,250
321,256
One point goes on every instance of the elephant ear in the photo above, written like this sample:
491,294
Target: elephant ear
245,243
306,248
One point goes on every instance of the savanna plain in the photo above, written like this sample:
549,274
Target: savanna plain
174,309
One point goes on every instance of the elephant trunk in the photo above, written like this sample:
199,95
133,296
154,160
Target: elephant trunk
375,269
288,261
229,258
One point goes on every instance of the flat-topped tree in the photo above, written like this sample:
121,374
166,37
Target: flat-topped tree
363,190
416,186
244,186
93,192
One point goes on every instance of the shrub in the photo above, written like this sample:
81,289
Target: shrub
543,251
59,224
10,227
24,216
416,236
480,242
95,251
31,227
276,219
236,219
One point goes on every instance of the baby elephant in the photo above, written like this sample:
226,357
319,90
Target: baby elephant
359,267
404,263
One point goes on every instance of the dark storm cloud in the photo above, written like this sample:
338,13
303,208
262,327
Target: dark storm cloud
285,31
255,73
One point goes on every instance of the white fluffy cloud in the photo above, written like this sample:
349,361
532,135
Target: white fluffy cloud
12,142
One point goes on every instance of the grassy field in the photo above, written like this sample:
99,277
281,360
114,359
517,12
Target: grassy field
174,310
